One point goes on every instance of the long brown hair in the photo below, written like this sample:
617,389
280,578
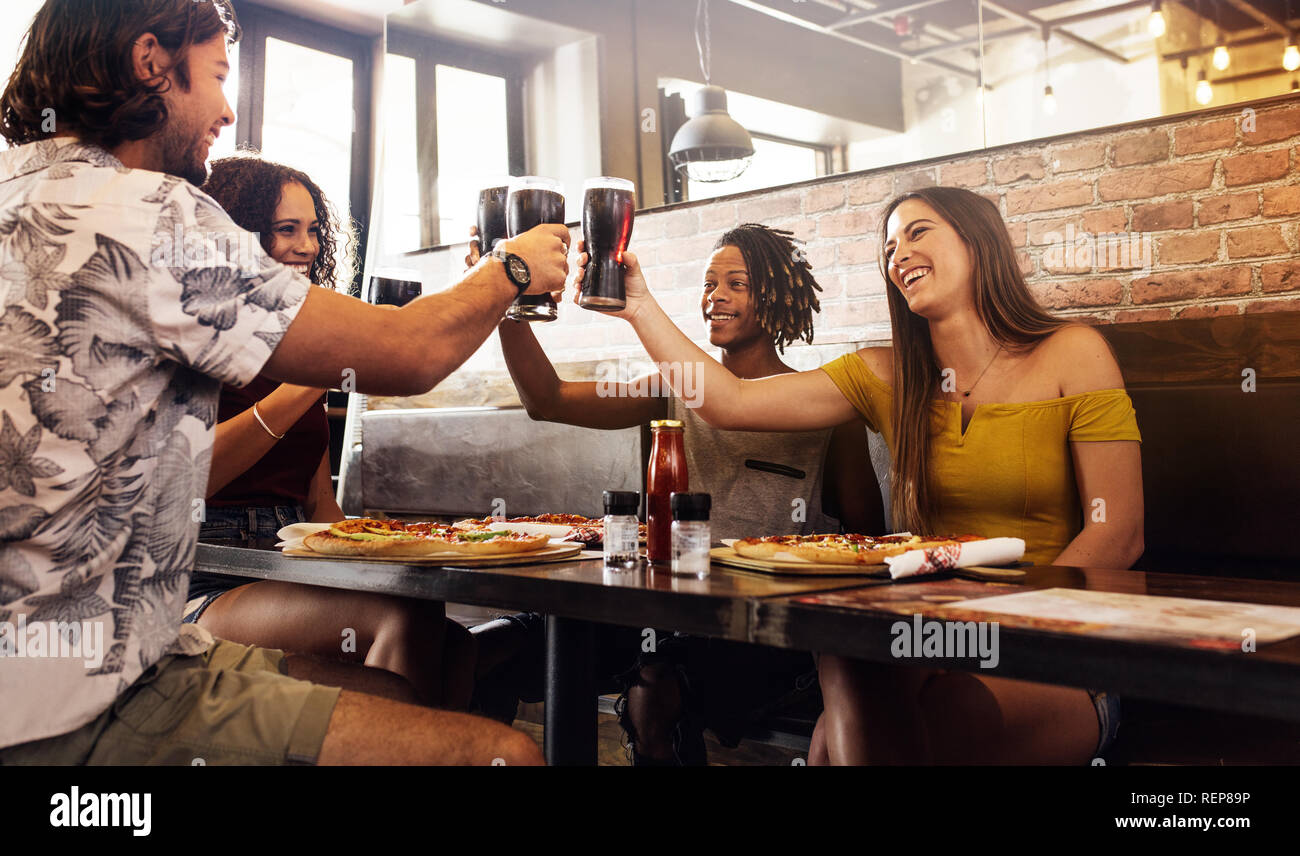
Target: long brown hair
1003,303
77,61
250,188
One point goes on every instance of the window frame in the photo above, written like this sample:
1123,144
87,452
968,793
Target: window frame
260,23
429,53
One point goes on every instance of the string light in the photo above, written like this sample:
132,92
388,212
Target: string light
1204,92
1049,98
1221,58
1156,23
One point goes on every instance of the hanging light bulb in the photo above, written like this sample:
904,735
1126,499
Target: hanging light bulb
712,146
1221,58
1291,56
1049,101
1204,93
1049,98
1156,23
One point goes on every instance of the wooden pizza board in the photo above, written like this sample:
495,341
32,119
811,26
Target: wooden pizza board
729,557
554,553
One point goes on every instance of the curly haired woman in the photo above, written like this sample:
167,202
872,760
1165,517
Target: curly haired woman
270,468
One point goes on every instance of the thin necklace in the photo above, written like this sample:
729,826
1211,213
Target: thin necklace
967,393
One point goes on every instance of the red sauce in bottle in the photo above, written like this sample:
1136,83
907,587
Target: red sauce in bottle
665,476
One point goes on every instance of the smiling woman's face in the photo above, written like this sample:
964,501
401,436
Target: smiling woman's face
927,260
295,233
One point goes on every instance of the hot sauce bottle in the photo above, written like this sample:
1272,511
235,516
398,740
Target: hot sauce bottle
665,476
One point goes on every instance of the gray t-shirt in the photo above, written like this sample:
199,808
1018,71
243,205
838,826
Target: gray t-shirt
128,297
762,483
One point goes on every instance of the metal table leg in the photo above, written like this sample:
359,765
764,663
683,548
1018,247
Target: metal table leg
571,704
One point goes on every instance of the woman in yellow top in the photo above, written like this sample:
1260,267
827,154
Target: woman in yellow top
1022,423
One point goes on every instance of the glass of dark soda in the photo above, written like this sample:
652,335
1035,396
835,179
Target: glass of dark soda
607,206
533,200
492,216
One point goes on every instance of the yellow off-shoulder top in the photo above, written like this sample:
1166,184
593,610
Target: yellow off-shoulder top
1010,473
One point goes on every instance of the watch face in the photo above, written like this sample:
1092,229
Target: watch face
518,270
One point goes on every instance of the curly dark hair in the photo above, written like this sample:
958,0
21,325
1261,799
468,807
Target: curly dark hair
780,281
77,60
250,188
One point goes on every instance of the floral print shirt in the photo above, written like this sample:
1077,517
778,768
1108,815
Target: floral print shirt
127,297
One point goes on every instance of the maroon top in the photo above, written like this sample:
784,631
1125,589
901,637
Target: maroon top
283,475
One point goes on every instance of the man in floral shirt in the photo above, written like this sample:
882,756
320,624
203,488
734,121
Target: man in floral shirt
114,342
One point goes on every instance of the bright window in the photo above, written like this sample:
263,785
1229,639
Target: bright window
14,23
399,194
774,163
472,145
307,117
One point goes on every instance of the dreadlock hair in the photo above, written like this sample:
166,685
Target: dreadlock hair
781,283
250,188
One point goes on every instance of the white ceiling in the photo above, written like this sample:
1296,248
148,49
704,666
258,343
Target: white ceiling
362,16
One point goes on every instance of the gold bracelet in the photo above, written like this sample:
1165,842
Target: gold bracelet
262,422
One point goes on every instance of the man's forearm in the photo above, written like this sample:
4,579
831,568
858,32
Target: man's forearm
451,325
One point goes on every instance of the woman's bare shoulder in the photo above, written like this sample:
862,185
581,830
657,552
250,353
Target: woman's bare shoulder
880,360
1082,358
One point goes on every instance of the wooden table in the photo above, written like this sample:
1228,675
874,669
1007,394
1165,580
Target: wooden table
763,609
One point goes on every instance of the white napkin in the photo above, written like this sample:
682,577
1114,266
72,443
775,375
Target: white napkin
291,536
991,551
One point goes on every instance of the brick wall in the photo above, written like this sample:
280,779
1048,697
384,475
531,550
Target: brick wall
1174,218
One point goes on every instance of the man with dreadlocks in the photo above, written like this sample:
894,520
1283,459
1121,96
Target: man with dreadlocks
758,296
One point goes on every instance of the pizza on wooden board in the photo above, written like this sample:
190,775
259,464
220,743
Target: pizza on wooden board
369,538
843,549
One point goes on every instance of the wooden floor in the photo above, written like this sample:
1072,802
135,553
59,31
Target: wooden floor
611,752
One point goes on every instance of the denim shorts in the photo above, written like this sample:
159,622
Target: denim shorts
1108,716
234,523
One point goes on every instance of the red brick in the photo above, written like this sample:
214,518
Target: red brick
1082,156
913,180
1283,304
965,174
821,255
1256,241
1147,182
1019,233
832,286
1235,206
1189,248
861,252
1026,263
1205,136
1282,201
694,249
1274,125
679,224
1147,147
874,189
823,197
861,222
1051,231
1259,166
1208,310
760,209
864,284
1068,193
1078,293
715,216
1136,316
1280,276
1191,284
1007,170
1105,220
855,313
1161,216
1067,256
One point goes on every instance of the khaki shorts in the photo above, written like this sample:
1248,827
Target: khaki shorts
233,704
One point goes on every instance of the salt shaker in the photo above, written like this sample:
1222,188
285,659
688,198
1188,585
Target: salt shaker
691,539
